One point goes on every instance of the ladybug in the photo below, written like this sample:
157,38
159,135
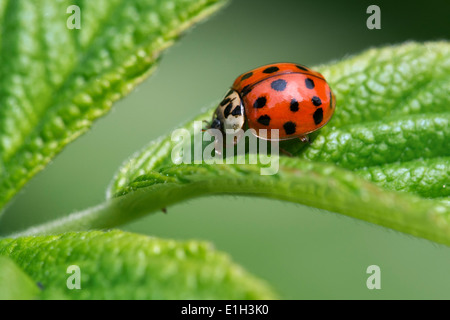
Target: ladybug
285,96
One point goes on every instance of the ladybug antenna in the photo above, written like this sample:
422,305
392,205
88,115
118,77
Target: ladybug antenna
208,125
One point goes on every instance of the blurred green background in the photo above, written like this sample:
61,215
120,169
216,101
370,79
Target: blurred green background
303,252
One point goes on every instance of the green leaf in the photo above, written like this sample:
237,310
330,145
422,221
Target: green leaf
55,81
392,113
14,283
120,265
383,158
391,127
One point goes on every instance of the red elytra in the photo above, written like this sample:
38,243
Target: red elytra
285,96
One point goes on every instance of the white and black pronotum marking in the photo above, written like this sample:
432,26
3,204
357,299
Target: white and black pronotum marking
229,114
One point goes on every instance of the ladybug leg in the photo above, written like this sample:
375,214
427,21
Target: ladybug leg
287,153
304,139
208,125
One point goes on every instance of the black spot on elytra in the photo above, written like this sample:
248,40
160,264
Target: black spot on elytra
302,67
237,111
316,101
246,76
225,101
271,70
289,127
246,90
279,85
318,116
264,120
309,83
294,105
260,102
227,110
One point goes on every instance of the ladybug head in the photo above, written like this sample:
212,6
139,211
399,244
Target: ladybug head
229,116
